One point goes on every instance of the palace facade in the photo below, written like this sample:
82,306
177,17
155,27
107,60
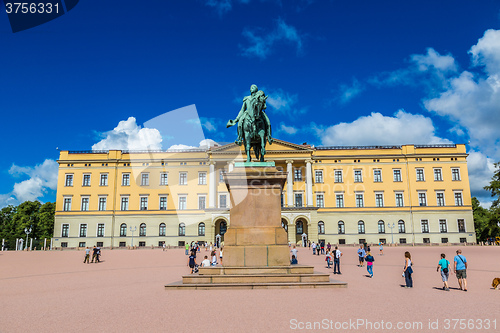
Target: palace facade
342,195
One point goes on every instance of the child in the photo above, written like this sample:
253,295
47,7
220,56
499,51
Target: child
369,263
294,260
214,258
328,259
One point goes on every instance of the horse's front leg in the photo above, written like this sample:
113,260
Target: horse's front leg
247,148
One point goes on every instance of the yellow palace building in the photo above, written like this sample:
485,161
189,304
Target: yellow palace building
342,195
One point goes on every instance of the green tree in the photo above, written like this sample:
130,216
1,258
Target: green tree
494,189
7,226
481,220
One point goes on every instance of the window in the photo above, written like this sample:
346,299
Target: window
201,229
124,203
142,229
64,244
402,240
163,203
318,176
183,178
455,174
381,227
182,202
221,176
361,227
144,179
341,227
338,176
123,244
440,198
202,202
162,230
126,179
182,229
297,174
100,230
123,230
144,203
202,178
422,199
83,230
438,175
341,241
299,225
85,203
458,199
420,175
320,200
321,227
65,230
425,226
443,228
401,227
298,199
379,199
377,175
69,180
102,203
397,175
67,204
461,226
359,200
86,179
284,224
358,177
444,240
222,201
100,244
463,240
399,200
339,199
427,240
104,179
163,179
81,244
142,244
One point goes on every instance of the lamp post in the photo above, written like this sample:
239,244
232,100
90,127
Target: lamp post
392,232
27,231
132,231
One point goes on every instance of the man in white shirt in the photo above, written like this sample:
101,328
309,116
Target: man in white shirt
314,247
336,261
206,262
294,252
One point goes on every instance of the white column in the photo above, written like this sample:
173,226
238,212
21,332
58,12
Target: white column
212,179
17,244
31,244
51,243
309,185
289,183
44,243
3,244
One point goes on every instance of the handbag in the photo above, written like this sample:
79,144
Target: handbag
409,270
445,270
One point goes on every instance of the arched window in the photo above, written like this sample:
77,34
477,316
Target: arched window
284,224
321,227
381,227
401,226
201,229
361,227
341,228
123,230
300,227
223,227
163,229
182,229
142,229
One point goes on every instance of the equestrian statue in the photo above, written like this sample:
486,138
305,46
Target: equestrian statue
254,127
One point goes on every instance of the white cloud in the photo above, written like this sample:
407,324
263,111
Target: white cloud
204,144
261,44
377,129
487,52
435,60
287,129
481,170
220,6
207,143
129,136
281,101
181,147
42,178
210,124
347,92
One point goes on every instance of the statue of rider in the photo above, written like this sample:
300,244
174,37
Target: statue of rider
247,103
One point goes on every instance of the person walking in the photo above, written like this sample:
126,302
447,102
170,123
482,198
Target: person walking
460,268
381,249
408,270
336,261
318,248
220,254
192,261
328,259
444,264
361,255
94,254
369,263
314,248
322,247
187,248
87,255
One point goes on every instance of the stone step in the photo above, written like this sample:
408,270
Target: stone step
231,270
255,278
291,285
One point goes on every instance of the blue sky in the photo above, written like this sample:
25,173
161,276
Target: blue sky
336,72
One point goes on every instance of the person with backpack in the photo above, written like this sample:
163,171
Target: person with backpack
460,267
369,263
444,264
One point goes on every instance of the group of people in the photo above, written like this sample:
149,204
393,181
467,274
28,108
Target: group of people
459,268
96,254
205,262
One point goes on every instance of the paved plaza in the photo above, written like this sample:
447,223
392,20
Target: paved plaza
55,292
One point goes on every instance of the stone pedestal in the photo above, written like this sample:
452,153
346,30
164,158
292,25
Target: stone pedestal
255,236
